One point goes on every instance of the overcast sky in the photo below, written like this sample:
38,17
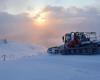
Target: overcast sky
17,6
44,22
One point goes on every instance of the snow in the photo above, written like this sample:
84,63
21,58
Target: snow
47,67
14,50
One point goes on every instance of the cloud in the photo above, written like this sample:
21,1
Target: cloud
15,26
74,17
60,20
13,23
15,6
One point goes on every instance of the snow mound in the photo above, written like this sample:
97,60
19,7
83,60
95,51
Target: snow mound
14,50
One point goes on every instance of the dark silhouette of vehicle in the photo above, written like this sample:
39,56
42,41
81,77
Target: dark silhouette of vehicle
77,43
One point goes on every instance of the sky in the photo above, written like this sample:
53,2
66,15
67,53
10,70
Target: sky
19,6
44,22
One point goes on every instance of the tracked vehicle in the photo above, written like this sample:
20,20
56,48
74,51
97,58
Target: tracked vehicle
77,43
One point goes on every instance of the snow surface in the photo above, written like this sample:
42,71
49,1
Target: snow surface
52,68
47,67
14,50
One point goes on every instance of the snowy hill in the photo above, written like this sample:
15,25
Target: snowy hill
45,67
52,68
14,50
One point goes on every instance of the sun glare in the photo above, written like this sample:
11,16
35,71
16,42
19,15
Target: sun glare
40,20
38,17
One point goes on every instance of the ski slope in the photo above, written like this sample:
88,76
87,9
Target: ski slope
14,50
46,67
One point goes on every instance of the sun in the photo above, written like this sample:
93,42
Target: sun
40,19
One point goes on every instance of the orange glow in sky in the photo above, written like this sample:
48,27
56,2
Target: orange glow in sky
40,20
